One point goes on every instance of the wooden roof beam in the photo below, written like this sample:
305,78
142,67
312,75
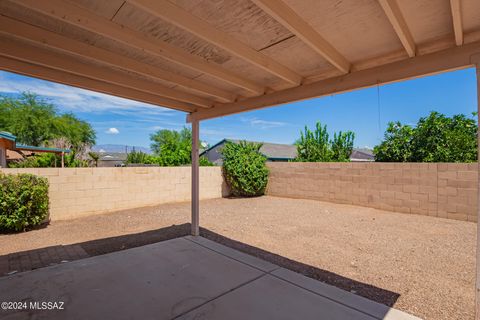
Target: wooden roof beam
184,20
457,21
87,20
281,12
19,50
446,60
392,10
40,72
56,41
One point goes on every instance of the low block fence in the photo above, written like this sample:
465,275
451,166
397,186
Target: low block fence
76,192
447,190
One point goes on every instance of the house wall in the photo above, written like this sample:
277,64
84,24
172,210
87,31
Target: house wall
447,190
76,192
214,153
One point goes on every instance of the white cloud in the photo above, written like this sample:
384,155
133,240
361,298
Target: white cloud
112,131
75,99
263,124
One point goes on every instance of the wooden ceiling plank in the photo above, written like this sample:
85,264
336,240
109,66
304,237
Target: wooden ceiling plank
457,21
57,76
56,41
450,59
170,12
82,18
393,13
16,49
281,12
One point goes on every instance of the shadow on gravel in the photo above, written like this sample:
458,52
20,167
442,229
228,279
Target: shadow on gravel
365,290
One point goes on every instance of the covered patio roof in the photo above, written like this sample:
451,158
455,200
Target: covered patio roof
216,58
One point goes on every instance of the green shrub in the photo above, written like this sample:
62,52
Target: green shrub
204,162
244,168
23,201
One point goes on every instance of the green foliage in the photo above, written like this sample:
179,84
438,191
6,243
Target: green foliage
436,138
244,168
204,162
397,144
317,147
23,201
172,148
49,160
139,157
35,122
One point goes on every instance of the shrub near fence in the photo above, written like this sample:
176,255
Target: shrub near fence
23,201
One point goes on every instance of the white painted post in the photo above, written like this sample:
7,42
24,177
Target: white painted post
195,178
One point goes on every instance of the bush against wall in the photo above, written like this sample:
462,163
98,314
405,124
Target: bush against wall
244,168
316,146
436,138
23,201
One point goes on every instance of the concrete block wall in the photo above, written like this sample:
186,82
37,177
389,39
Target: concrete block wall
447,190
76,192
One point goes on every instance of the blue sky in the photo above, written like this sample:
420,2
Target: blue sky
366,111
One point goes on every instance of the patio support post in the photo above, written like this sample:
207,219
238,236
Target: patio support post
195,177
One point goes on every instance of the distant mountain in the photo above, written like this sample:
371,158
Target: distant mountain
117,148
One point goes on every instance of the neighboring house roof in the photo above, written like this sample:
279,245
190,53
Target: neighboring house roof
277,151
40,149
7,135
362,155
273,151
113,156
16,146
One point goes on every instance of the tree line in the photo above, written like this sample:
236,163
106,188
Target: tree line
434,138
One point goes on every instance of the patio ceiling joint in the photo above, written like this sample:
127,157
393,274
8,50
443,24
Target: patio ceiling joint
20,50
45,38
87,20
395,16
287,17
457,21
177,16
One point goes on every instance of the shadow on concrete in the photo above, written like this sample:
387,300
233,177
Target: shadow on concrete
365,290
38,258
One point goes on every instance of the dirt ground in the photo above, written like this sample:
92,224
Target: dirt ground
422,265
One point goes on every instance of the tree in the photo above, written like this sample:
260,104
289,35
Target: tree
173,148
342,146
436,138
36,122
28,118
397,144
317,147
95,157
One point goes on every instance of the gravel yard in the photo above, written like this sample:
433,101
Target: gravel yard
422,265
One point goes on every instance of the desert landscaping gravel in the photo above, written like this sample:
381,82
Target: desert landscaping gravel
422,265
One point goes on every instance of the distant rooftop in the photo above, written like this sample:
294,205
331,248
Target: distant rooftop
16,146
285,152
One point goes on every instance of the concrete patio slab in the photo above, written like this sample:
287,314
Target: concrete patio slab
186,278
